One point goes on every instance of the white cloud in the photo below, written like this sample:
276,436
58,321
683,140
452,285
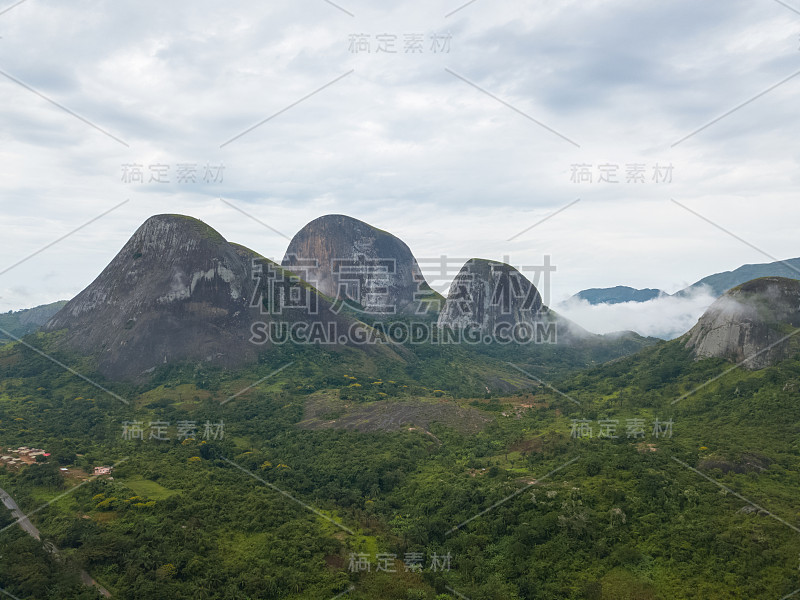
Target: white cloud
666,317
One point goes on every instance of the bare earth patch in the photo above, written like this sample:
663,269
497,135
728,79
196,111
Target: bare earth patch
323,411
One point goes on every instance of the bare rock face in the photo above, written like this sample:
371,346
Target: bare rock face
179,292
485,293
345,258
176,291
496,299
748,322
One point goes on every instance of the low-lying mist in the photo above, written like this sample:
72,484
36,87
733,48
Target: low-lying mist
666,317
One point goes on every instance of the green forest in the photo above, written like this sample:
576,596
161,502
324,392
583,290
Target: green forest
652,476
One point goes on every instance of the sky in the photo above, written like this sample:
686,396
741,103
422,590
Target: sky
491,129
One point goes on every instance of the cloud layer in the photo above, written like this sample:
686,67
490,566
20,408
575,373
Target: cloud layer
666,317
456,152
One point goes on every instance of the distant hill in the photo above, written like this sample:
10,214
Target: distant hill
719,283
617,295
23,322
716,284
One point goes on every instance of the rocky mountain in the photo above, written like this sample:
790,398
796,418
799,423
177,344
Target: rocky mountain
495,299
749,322
178,291
348,259
22,322
617,295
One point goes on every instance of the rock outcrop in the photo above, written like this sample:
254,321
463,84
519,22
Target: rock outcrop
498,301
746,324
176,291
179,292
348,259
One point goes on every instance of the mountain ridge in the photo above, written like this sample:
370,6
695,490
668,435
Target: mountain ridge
618,295
179,292
715,284
20,323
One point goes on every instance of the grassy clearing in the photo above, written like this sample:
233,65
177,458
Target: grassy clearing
149,489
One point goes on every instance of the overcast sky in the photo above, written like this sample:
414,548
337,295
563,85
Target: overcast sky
456,145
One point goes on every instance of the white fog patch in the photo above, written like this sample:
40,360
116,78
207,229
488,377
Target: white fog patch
731,309
666,317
